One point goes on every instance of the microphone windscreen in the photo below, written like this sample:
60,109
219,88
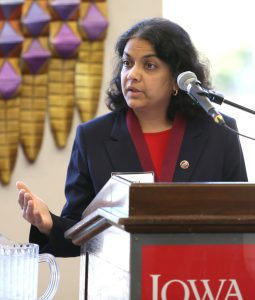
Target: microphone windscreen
185,78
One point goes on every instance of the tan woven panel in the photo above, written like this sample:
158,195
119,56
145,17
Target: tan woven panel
9,137
61,98
33,102
88,78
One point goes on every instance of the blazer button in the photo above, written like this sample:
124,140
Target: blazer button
184,164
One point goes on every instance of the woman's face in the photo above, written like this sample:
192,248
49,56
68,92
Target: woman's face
146,81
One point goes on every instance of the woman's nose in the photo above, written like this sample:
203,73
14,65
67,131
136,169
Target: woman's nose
134,73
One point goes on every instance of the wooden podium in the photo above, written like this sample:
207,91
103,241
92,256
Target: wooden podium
168,241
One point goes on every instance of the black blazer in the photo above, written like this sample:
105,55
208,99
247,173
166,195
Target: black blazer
103,146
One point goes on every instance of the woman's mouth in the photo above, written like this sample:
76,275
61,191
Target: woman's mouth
132,91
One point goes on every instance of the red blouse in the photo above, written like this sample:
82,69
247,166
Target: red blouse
157,143
164,164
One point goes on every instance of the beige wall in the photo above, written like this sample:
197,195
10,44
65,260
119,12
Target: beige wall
46,177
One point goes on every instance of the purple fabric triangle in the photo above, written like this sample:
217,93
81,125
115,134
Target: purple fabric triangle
66,42
65,9
9,39
36,19
36,49
9,8
94,23
35,64
9,35
7,49
36,57
35,15
35,29
9,80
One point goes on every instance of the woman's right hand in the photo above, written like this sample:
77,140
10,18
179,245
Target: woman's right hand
34,209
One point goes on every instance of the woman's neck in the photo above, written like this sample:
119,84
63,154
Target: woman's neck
153,122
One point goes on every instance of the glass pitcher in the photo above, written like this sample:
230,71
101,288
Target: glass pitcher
19,272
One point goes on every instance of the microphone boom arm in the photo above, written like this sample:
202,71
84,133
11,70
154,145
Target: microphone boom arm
219,99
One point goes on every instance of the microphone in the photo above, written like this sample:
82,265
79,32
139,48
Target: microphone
188,82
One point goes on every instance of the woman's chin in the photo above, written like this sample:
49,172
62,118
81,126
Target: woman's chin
135,104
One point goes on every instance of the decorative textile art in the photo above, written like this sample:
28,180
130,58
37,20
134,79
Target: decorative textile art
89,67
51,57
34,60
11,40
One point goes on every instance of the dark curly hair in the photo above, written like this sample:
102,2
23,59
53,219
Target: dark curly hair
172,45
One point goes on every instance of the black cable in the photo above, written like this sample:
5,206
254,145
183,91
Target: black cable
238,133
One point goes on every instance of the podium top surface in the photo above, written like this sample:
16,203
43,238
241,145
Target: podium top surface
124,198
170,207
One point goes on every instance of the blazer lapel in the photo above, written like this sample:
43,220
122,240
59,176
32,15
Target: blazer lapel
120,148
192,147
123,156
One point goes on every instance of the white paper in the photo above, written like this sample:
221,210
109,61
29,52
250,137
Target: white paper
139,177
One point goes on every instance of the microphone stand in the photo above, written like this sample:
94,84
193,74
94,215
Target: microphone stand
219,99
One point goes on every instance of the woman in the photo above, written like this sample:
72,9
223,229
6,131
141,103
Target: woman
153,126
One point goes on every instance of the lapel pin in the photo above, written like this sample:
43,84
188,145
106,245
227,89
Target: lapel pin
184,164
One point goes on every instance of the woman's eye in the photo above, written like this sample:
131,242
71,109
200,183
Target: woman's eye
150,66
126,63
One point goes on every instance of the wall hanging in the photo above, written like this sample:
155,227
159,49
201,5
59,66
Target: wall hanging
51,63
